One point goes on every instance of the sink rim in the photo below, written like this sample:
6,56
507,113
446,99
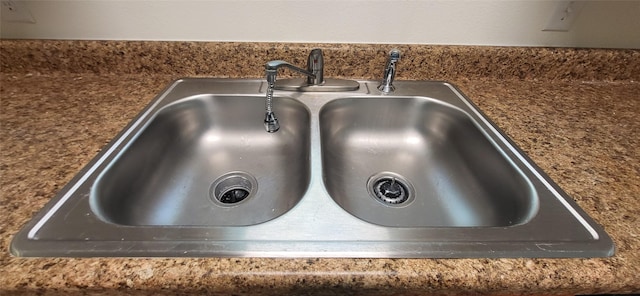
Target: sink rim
301,236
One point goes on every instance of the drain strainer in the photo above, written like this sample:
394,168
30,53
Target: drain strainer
390,189
233,188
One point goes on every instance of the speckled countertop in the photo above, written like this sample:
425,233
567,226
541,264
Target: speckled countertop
574,112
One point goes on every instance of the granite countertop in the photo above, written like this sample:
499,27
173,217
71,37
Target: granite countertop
578,123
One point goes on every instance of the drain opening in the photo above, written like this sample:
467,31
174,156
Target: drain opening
234,195
233,188
390,189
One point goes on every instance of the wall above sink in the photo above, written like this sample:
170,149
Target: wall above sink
600,24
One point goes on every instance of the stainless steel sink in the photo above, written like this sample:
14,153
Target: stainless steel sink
415,162
413,174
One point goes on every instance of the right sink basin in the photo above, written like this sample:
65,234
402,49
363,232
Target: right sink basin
416,162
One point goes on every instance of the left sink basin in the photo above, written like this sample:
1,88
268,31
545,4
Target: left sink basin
206,160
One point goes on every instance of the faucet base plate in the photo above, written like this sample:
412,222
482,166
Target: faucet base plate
329,85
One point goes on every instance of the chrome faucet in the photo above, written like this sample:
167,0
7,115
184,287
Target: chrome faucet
317,83
386,86
271,69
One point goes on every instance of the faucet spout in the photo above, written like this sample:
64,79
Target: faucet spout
271,124
271,69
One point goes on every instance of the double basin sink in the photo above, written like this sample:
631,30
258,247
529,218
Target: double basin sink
412,174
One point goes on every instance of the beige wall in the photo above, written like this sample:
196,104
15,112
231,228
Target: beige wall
608,24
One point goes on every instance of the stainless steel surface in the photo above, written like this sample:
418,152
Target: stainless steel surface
329,85
386,86
162,187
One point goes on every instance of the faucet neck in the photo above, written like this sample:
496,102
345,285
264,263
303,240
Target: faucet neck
271,70
386,86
